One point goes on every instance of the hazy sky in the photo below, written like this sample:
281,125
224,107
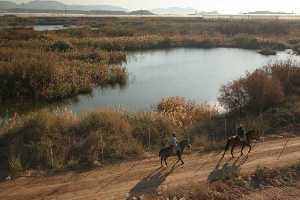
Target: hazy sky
227,6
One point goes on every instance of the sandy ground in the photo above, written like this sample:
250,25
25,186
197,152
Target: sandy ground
136,178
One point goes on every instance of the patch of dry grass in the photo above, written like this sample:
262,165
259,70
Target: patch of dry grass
42,75
237,186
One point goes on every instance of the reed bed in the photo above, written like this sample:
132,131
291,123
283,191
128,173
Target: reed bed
46,75
47,140
62,139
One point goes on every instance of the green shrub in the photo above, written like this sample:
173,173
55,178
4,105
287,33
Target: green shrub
61,46
247,42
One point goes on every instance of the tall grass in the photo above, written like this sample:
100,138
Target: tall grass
185,113
253,32
62,139
38,74
47,140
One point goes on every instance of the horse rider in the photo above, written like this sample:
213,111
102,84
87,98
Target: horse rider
173,142
241,133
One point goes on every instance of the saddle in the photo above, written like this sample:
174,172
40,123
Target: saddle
174,149
242,139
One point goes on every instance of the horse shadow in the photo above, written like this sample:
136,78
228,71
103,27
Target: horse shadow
4,172
150,183
229,169
3,175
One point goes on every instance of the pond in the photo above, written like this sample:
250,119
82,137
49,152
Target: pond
52,27
196,74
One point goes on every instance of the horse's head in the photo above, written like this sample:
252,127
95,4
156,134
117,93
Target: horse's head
185,144
253,134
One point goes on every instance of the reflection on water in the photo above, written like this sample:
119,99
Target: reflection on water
196,74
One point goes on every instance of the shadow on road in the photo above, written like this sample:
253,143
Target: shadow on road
3,172
150,183
229,169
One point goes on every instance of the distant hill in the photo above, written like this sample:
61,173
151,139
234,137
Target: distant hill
42,5
208,13
7,5
55,5
84,12
174,11
267,13
96,7
141,12
49,6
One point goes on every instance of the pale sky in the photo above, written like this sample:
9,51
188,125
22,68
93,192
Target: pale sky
225,6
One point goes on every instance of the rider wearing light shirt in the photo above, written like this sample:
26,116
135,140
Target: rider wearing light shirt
174,142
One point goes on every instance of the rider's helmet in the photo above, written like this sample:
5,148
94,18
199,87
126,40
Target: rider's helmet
174,134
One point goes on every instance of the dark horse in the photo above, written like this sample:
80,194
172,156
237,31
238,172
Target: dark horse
235,141
165,153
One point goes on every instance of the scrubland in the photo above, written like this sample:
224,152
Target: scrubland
55,65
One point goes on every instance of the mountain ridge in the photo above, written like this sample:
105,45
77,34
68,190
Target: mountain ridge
174,11
56,5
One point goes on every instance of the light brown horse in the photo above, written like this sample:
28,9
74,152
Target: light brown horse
235,141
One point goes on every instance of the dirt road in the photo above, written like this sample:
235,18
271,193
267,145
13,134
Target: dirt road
145,177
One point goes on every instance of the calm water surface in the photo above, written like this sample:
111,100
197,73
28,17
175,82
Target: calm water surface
196,74
53,27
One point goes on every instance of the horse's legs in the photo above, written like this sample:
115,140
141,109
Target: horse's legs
161,161
232,149
224,153
226,148
179,158
243,146
166,161
250,147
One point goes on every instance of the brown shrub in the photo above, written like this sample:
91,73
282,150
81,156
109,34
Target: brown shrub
263,91
37,74
288,73
233,96
185,113
255,92
152,129
19,34
46,140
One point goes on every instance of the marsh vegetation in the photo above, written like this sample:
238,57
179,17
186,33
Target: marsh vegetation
54,65
92,53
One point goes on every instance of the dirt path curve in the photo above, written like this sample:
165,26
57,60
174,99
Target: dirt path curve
139,177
